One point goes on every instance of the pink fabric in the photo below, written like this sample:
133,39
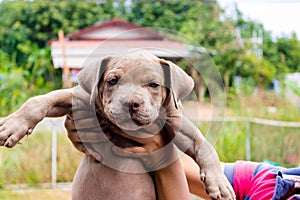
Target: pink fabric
248,185
263,185
243,172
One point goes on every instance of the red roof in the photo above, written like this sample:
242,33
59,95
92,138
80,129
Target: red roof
111,37
115,22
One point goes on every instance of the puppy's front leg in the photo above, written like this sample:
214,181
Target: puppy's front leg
190,140
22,122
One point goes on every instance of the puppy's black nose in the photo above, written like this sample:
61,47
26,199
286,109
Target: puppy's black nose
133,105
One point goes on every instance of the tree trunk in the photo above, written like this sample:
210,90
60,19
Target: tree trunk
261,91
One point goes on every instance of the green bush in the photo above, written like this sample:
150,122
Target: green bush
17,84
30,162
229,142
12,91
274,143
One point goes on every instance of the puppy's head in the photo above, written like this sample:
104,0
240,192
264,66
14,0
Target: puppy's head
131,89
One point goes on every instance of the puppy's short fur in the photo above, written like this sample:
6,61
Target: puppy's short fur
139,94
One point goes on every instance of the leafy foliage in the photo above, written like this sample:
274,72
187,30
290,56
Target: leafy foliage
26,26
29,23
294,87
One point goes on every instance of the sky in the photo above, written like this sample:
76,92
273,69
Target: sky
281,17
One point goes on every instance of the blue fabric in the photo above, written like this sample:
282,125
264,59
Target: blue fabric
229,172
292,171
263,166
282,188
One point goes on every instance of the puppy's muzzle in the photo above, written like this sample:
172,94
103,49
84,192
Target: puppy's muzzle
133,105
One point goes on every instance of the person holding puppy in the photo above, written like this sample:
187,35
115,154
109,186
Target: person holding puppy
250,180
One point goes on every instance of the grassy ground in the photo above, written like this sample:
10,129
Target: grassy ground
45,194
30,162
34,194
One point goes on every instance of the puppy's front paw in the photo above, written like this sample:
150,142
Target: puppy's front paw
217,185
13,129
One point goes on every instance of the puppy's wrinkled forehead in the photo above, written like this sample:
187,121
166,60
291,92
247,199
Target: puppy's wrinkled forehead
134,61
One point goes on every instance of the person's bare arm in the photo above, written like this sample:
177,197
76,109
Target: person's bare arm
191,169
21,122
171,182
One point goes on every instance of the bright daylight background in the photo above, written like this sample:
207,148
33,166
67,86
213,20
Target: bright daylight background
281,17
260,72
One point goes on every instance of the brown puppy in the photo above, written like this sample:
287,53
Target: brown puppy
139,94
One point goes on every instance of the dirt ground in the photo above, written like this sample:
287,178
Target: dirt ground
195,110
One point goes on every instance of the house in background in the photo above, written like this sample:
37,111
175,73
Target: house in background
93,43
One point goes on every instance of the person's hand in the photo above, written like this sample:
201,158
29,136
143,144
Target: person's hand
154,150
85,131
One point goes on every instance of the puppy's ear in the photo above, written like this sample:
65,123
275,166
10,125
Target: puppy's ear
179,82
90,76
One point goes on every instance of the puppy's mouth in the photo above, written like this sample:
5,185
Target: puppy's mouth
131,121
137,122
141,118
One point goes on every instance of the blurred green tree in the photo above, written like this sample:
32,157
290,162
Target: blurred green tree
289,52
28,23
259,69
26,26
